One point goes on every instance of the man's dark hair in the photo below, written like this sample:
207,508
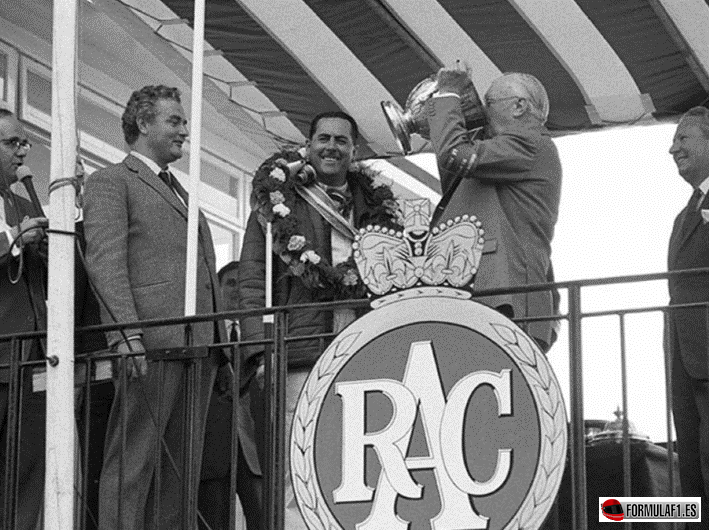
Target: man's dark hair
141,105
334,114
231,266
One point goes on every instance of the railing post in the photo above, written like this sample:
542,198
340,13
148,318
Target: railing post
276,367
578,433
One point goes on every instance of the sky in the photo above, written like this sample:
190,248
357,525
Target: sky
620,195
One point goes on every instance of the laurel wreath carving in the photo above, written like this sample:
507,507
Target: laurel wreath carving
552,451
531,362
312,504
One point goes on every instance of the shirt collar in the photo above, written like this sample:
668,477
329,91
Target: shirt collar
148,162
704,186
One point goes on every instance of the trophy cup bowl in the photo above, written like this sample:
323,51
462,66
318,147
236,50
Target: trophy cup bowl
412,119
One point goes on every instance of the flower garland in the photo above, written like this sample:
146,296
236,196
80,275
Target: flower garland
274,194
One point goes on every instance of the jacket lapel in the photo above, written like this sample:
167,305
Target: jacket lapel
145,174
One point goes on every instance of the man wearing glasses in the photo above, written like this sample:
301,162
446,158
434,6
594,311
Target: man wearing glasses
510,180
22,308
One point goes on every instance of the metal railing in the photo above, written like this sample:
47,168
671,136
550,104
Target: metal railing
95,368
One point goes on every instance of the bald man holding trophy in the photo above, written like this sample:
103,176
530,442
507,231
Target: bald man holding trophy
509,177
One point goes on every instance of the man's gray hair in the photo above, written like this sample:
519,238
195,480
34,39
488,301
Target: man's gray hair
533,90
702,116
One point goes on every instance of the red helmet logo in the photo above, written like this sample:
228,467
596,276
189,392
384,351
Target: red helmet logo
612,510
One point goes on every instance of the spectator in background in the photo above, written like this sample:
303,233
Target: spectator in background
215,488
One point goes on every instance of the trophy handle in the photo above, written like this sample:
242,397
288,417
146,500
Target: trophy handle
399,124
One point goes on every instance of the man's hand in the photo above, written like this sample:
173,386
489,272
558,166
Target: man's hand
31,228
224,382
454,80
136,365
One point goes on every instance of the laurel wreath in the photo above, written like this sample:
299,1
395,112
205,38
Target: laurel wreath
274,196
552,454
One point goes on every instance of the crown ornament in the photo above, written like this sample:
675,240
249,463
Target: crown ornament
447,254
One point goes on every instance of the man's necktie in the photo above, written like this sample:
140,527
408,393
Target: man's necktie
234,332
342,200
175,186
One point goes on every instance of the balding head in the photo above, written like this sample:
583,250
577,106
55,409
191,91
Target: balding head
514,99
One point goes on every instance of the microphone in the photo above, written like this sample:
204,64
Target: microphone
24,175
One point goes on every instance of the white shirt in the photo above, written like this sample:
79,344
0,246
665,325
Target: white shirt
704,188
155,169
341,246
6,228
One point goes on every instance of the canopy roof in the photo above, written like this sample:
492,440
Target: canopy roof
603,61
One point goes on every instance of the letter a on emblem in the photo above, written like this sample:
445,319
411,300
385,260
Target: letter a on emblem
443,428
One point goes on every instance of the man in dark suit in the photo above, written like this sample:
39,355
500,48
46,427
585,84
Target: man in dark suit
135,218
511,181
215,486
22,309
687,327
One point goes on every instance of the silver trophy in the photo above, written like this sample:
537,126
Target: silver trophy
412,119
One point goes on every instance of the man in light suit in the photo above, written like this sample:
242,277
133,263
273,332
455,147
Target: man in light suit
22,308
687,327
135,217
511,181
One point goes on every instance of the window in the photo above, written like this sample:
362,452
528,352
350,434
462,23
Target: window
8,76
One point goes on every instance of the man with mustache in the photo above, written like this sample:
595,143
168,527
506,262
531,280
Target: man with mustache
135,217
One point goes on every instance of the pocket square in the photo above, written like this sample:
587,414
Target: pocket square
705,216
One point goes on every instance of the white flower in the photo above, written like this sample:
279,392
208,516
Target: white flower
350,278
278,174
296,242
276,197
281,209
311,256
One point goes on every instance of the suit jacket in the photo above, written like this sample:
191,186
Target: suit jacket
136,244
689,249
512,183
22,305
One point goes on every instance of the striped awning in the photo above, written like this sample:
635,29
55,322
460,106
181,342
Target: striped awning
605,63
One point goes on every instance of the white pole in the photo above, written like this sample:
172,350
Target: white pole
59,480
195,159
269,270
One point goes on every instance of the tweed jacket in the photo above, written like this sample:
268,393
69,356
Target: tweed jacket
512,183
136,244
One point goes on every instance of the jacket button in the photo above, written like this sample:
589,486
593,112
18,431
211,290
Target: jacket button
208,286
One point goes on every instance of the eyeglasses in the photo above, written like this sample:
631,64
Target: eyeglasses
490,101
16,144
